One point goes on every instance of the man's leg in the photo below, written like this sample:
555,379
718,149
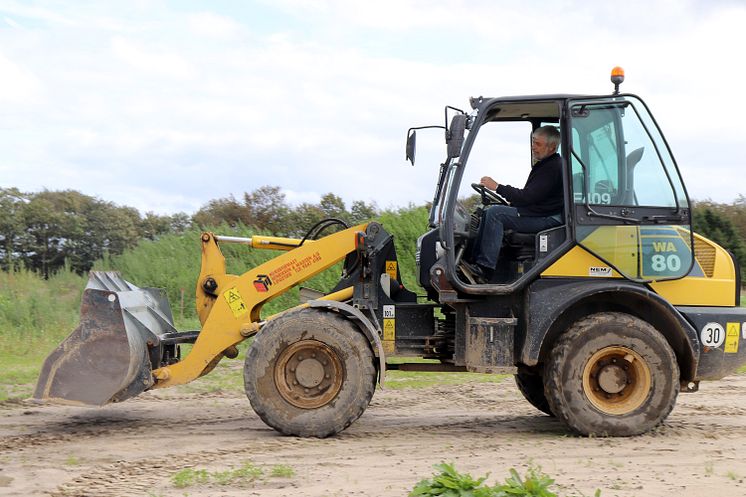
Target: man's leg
495,221
526,224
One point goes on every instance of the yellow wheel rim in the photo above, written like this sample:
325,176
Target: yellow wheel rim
309,374
616,380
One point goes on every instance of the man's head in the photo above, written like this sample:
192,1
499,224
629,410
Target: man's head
544,142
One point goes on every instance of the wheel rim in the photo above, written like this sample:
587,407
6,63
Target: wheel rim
309,374
616,380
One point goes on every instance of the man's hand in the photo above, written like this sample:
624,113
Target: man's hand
490,183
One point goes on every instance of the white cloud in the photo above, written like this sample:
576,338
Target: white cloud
211,25
18,84
153,61
165,109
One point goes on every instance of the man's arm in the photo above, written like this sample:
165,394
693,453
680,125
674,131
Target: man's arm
538,187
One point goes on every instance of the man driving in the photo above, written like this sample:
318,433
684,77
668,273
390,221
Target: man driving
535,207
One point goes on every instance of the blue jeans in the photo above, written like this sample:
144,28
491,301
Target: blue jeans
498,218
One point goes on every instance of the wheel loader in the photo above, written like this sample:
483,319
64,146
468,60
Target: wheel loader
602,320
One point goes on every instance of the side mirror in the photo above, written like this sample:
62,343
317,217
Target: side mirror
411,145
455,135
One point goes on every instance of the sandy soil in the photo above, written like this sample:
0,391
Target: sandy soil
135,447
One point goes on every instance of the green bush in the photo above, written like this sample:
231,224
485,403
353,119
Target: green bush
34,310
448,482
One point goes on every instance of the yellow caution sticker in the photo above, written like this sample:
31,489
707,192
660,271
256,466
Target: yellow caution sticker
389,329
732,333
235,302
391,269
389,347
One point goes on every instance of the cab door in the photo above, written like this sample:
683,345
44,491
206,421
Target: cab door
630,206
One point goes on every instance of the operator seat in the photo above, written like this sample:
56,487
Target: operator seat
523,243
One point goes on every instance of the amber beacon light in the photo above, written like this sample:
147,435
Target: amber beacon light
617,77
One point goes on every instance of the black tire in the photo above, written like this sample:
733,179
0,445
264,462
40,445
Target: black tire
309,373
532,388
611,374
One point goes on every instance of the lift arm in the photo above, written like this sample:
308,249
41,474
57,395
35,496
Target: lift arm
229,306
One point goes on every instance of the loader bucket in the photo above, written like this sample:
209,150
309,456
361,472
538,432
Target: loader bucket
109,357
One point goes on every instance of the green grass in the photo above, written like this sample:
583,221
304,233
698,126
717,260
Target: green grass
282,471
189,476
226,377
245,475
399,380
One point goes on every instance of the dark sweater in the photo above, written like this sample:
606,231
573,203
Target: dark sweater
542,196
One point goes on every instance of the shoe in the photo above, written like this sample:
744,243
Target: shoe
475,272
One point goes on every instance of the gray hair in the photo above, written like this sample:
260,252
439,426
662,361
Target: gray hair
551,133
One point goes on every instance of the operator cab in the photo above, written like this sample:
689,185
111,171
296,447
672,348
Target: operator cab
624,200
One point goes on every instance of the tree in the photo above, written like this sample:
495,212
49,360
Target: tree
712,224
333,206
12,202
47,226
267,210
222,210
180,222
152,225
361,212
303,218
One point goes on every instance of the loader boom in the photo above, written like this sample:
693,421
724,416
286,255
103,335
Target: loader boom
229,306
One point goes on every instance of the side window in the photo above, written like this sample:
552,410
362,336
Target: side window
502,150
595,137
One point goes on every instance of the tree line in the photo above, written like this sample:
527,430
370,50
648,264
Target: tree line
724,224
48,230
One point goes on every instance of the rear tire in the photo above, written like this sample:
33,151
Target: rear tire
532,388
309,373
612,374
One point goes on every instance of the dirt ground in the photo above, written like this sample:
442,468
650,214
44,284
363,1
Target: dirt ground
135,447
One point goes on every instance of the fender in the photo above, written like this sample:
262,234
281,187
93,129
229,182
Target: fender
553,305
367,328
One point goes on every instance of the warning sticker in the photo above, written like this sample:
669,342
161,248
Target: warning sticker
732,333
294,266
389,329
235,302
391,269
389,311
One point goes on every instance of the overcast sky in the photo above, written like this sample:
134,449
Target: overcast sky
165,105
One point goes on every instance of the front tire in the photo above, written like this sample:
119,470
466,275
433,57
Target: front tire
612,374
309,373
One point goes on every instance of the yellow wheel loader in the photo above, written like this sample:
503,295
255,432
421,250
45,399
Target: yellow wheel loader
602,320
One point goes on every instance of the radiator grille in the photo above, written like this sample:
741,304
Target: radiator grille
705,254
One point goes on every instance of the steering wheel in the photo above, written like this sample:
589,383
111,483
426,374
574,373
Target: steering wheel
488,196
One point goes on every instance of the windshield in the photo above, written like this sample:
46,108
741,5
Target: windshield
619,157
